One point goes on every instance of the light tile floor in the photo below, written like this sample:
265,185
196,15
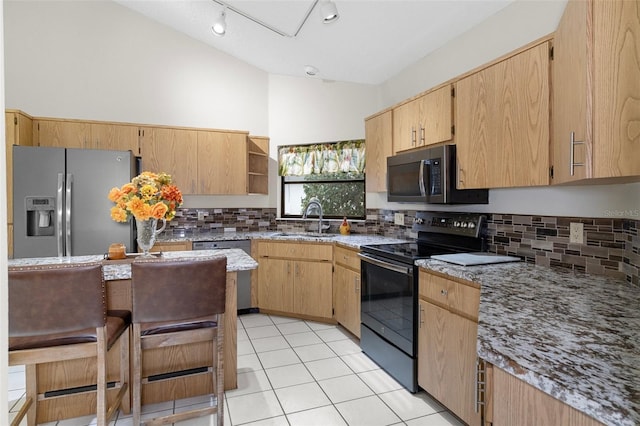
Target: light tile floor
295,373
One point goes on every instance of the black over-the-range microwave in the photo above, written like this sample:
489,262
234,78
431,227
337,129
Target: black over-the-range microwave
429,175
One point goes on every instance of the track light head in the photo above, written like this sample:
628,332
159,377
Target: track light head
329,12
219,26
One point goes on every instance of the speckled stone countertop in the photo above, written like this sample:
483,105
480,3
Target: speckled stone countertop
353,240
574,336
237,260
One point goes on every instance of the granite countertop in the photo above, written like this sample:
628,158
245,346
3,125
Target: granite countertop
572,335
352,240
237,260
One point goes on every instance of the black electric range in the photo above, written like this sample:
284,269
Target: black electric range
389,288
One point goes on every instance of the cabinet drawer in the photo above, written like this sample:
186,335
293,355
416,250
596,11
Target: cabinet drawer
347,258
464,299
454,295
310,252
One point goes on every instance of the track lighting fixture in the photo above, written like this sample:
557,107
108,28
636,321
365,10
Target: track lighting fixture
219,26
329,12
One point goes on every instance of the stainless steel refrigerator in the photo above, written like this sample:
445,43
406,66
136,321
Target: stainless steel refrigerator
60,204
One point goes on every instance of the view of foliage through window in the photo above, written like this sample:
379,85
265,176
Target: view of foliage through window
338,198
340,194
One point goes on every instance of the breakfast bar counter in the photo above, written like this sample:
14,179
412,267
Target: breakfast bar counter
117,275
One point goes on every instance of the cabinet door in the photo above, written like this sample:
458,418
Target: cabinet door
172,151
435,117
502,116
447,359
222,163
275,284
616,69
515,402
347,300
378,136
405,131
313,290
115,137
432,351
572,104
64,134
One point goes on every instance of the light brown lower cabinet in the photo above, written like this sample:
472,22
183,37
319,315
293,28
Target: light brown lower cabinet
346,287
515,402
447,336
295,279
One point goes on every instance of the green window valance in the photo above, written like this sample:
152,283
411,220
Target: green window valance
318,159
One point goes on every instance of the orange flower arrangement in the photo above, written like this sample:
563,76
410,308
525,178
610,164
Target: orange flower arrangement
148,196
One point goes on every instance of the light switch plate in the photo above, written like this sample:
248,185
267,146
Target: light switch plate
398,219
576,233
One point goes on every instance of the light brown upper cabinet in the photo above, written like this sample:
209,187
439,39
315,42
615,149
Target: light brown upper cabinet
423,121
222,163
258,174
173,151
117,137
502,122
86,135
62,133
18,128
378,140
596,91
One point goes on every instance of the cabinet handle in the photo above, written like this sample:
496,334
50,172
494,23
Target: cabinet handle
421,135
444,292
413,136
421,316
356,283
572,144
460,171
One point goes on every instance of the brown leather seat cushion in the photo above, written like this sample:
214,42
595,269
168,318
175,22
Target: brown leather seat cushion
117,323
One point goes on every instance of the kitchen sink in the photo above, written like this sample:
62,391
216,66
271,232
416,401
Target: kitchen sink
302,235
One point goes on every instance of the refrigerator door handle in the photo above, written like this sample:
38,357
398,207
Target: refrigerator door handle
59,214
67,207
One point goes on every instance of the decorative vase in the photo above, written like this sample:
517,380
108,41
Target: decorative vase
147,234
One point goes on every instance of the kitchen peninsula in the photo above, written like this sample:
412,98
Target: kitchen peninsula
573,336
117,275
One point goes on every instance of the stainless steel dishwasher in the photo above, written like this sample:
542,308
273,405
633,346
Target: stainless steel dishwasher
244,277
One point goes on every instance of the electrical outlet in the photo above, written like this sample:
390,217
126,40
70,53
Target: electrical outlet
576,233
202,215
398,219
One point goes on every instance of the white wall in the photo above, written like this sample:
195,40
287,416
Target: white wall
303,111
98,60
514,26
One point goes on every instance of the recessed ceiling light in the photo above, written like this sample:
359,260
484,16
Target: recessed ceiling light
310,70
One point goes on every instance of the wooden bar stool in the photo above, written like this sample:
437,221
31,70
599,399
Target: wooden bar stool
178,302
58,313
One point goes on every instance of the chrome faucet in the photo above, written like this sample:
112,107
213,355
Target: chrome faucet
314,203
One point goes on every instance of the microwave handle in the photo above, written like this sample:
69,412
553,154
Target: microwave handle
423,188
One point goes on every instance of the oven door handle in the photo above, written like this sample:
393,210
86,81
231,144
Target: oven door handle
386,265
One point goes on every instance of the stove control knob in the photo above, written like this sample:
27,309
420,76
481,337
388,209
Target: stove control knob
418,220
456,224
472,225
463,224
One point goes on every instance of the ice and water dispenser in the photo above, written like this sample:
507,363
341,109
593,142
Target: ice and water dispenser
40,216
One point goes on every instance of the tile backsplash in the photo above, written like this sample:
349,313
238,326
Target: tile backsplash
611,245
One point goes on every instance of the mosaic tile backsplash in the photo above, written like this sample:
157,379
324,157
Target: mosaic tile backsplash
611,245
